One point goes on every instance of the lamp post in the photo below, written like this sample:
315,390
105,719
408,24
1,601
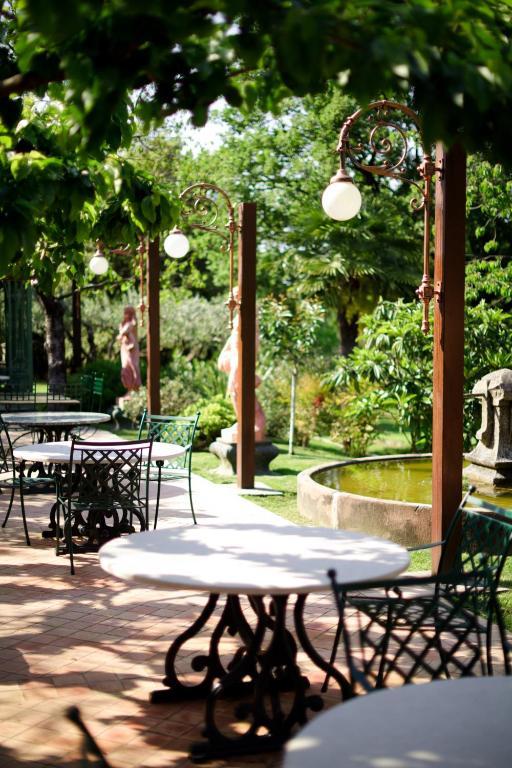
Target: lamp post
386,154
389,149
207,207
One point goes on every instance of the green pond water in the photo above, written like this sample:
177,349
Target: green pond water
400,479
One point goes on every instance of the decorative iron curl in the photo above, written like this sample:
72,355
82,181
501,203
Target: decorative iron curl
390,151
203,212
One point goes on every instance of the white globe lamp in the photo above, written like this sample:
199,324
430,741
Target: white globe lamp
341,200
176,244
98,264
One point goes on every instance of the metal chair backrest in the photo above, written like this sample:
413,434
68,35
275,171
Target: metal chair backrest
83,391
179,430
18,400
435,627
97,392
481,542
110,474
91,753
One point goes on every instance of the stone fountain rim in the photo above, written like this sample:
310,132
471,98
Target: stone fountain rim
307,476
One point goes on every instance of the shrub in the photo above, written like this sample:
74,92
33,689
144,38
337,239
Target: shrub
112,385
134,407
274,396
394,362
311,400
193,327
354,422
216,414
200,377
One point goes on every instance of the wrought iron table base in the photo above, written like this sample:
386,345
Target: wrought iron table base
265,674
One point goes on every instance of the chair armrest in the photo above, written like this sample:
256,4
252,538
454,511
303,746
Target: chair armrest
409,581
421,547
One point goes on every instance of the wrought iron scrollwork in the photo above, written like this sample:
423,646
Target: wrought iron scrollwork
202,206
255,695
389,148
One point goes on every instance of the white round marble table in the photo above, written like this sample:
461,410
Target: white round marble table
444,724
264,565
53,425
59,452
251,559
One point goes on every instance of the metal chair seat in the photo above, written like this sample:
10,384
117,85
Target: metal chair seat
30,484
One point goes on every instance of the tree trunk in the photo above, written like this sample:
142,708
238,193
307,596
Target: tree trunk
54,339
348,333
76,361
92,354
291,435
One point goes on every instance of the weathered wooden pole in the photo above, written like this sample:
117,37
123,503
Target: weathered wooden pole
245,461
153,329
447,443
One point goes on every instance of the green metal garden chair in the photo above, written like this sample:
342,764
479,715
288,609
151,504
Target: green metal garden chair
179,430
97,392
17,480
103,493
436,626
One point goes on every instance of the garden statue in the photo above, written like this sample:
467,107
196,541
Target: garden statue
491,459
225,447
130,354
228,363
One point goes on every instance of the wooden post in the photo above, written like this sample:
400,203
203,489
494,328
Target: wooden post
153,329
247,344
447,444
76,334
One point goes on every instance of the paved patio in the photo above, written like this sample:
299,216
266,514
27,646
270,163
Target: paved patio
94,641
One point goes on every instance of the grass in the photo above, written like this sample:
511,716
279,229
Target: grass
286,468
320,451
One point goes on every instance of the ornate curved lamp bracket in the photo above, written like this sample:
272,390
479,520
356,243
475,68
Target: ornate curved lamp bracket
389,146
203,210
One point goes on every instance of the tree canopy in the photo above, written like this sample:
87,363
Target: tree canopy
109,60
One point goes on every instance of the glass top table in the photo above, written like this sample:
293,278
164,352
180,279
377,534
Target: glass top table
258,568
446,723
54,425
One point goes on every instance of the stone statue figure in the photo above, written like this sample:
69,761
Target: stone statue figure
228,363
130,353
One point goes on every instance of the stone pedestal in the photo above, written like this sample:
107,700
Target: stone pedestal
265,452
491,459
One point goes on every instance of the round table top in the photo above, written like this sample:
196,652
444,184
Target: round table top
55,418
446,724
249,558
59,452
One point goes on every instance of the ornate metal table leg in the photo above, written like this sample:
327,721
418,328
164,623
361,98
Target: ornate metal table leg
231,621
271,713
310,650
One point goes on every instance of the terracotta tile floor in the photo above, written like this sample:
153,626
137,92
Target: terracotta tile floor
93,641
